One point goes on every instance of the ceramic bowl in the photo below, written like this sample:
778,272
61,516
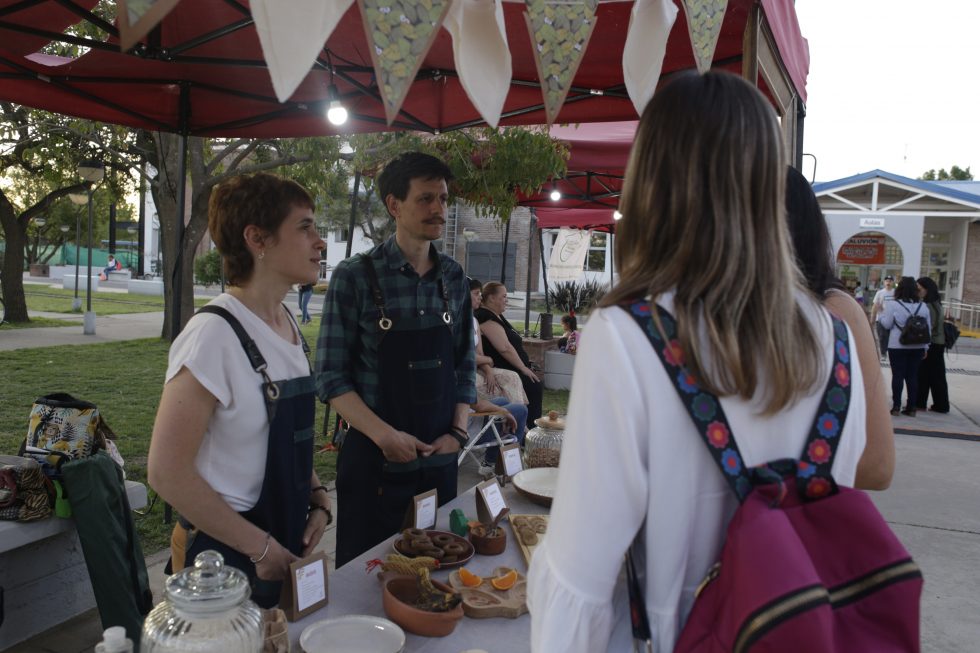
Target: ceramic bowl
488,546
353,634
398,600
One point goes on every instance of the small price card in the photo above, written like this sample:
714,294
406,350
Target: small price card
425,505
489,500
511,455
306,589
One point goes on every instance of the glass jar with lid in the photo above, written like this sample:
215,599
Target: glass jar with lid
205,609
542,446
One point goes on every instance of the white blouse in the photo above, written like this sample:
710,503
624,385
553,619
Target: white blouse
631,453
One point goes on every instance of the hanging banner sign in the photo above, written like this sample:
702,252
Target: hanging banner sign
560,32
399,35
863,250
704,18
568,255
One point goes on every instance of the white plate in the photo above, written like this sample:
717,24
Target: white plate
538,484
353,633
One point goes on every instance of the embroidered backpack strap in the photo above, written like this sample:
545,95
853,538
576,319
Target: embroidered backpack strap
703,407
813,472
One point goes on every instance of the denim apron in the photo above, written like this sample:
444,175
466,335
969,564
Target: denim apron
285,496
417,395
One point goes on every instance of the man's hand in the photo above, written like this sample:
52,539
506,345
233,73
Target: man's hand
510,424
445,444
400,447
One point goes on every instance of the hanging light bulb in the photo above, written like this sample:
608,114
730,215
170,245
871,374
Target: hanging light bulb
617,215
336,111
555,193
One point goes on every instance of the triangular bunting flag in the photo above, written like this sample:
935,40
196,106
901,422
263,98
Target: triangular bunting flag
560,32
646,46
482,57
135,19
704,19
399,35
292,34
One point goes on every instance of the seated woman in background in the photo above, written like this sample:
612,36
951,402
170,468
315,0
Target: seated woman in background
505,346
815,258
491,382
232,445
568,343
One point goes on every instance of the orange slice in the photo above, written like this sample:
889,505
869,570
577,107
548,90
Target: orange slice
469,578
506,581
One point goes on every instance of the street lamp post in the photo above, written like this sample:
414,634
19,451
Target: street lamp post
80,199
92,171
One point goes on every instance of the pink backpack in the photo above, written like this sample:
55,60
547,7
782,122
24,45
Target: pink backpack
807,566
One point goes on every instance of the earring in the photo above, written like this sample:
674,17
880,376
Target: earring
262,255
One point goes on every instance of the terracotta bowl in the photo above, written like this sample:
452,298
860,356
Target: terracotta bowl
488,546
398,600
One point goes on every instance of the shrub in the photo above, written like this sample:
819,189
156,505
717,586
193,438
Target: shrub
207,268
569,296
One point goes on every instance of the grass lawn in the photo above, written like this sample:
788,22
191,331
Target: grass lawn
37,322
59,300
128,403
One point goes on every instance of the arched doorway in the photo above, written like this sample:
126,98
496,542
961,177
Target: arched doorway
866,258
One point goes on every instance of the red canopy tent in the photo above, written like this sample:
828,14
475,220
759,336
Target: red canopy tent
201,71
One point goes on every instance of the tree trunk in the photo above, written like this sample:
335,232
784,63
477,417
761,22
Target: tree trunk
12,275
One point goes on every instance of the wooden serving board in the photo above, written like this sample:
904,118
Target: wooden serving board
538,523
486,602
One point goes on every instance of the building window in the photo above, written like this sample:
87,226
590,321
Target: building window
596,259
340,236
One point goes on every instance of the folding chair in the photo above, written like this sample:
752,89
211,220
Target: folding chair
474,444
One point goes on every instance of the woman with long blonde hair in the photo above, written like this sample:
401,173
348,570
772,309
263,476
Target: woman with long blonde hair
704,238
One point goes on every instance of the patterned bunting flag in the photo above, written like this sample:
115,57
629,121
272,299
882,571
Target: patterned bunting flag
560,32
399,35
135,19
704,19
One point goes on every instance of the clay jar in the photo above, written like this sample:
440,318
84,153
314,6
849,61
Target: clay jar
400,594
488,546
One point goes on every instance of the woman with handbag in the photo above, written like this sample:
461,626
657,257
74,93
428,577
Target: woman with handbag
232,446
905,357
703,243
932,371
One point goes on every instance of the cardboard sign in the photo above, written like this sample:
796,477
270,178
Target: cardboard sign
489,500
510,455
306,589
423,510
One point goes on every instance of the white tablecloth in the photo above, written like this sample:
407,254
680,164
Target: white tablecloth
353,591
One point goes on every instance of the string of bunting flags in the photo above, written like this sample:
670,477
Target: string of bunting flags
399,34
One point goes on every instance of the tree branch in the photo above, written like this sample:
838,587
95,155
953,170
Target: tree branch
47,201
259,167
220,156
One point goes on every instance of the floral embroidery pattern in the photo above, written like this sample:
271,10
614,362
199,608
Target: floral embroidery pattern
813,470
828,425
686,382
819,451
718,434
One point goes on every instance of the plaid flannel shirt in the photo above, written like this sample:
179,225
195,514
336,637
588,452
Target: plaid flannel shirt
347,346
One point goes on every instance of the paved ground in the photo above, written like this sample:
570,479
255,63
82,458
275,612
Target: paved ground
933,504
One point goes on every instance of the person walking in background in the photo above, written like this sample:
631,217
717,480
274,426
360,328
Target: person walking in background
859,293
932,372
904,359
884,294
305,294
713,262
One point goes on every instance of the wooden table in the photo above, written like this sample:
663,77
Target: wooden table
352,591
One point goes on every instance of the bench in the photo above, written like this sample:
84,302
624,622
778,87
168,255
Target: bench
145,287
43,573
120,275
558,369
68,281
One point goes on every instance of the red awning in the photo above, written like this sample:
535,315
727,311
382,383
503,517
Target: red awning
208,50
597,219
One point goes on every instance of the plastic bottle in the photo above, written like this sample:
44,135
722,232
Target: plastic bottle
114,640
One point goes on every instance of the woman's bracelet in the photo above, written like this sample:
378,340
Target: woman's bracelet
265,551
326,511
459,435
319,488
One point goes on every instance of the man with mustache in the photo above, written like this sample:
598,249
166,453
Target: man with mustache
395,358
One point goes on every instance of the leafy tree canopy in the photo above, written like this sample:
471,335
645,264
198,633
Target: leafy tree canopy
955,173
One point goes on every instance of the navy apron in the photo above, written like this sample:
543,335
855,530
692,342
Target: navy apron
417,395
284,500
